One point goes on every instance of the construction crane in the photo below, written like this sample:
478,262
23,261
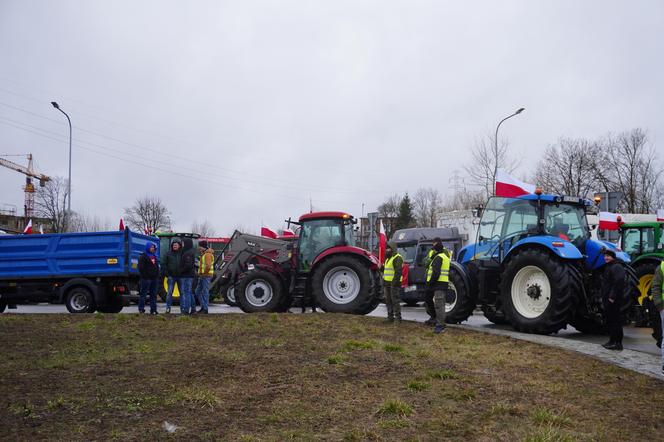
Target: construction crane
29,188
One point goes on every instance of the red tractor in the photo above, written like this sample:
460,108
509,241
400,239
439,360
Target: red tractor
321,267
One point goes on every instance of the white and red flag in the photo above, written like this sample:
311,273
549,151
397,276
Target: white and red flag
660,214
147,230
269,233
28,228
510,187
609,221
122,227
41,229
287,232
382,243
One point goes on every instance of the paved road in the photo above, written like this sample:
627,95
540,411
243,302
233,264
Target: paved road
637,339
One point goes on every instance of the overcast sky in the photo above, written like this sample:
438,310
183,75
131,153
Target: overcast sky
240,112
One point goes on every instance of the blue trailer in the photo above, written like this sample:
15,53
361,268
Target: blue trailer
85,271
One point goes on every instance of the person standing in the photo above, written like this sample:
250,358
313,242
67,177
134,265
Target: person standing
205,274
438,277
428,294
392,282
171,268
657,291
148,269
187,274
613,294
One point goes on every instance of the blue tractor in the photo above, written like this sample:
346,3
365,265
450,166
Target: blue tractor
534,266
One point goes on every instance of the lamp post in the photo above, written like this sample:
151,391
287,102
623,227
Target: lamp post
495,169
55,105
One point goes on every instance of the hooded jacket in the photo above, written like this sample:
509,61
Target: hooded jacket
171,262
148,263
188,261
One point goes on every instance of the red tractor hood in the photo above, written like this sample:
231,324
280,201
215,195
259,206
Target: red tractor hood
352,250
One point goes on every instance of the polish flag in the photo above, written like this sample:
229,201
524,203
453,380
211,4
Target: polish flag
269,233
609,221
147,230
510,187
660,215
382,243
287,232
122,227
41,229
404,275
28,228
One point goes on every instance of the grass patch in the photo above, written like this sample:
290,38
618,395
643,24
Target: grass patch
393,348
354,344
544,416
196,397
395,407
418,385
443,373
336,359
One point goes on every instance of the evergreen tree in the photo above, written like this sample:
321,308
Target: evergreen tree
405,218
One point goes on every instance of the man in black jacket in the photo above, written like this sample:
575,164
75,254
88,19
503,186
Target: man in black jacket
613,295
148,269
171,263
187,273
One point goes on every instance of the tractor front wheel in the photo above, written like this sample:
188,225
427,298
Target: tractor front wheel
229,296
342,284
260,291
538,292
458,303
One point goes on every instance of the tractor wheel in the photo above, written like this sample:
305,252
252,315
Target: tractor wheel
644,272
3,306
80,300
260,291
587,325
229,296
494,314
342,284
458,304
538,292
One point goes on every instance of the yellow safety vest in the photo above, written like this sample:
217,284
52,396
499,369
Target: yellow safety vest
207,255
388,273
444,269
431,254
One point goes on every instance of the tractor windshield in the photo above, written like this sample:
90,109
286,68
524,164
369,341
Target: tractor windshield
505,217
637,241
567,222
319,235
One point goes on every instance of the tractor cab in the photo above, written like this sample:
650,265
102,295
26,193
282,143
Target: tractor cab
321,231
638,239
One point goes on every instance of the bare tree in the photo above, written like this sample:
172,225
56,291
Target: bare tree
633,170
427,203
389,213
50,203
465,200
569,168
147,211
204,229
83,222
486,159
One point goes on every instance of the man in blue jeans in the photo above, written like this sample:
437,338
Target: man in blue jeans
187,273
205,274
171,264
148,269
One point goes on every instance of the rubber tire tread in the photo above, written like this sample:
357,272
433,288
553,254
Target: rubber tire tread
492,315
465,304
91,300
564,290
278,292
228,301
3,306
366,300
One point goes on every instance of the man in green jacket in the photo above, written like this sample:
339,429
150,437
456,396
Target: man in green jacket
657,291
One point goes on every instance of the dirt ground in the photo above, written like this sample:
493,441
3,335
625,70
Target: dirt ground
304,377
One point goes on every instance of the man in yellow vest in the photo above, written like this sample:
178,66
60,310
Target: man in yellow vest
392,282
657,291
428,295
438,278
205,274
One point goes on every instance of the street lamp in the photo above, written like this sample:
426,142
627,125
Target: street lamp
495,169
55,105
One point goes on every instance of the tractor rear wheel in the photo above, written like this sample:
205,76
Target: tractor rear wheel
260,291
494,313
342,284
538,292
458,303
644,272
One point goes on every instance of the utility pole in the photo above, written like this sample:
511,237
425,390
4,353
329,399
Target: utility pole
495,151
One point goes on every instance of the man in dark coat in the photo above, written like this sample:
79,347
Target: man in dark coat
148,269
171,268
613,295
187,273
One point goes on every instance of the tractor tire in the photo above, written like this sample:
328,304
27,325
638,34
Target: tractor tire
644,272
342,284
3,306
459,305
80,300
260,291
538,292
493,314
229,296
587,326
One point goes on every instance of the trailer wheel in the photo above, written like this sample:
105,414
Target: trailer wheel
342,284
112,305
260,291
538,292
80,300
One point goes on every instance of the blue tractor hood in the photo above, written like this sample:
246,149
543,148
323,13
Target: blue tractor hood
593,252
